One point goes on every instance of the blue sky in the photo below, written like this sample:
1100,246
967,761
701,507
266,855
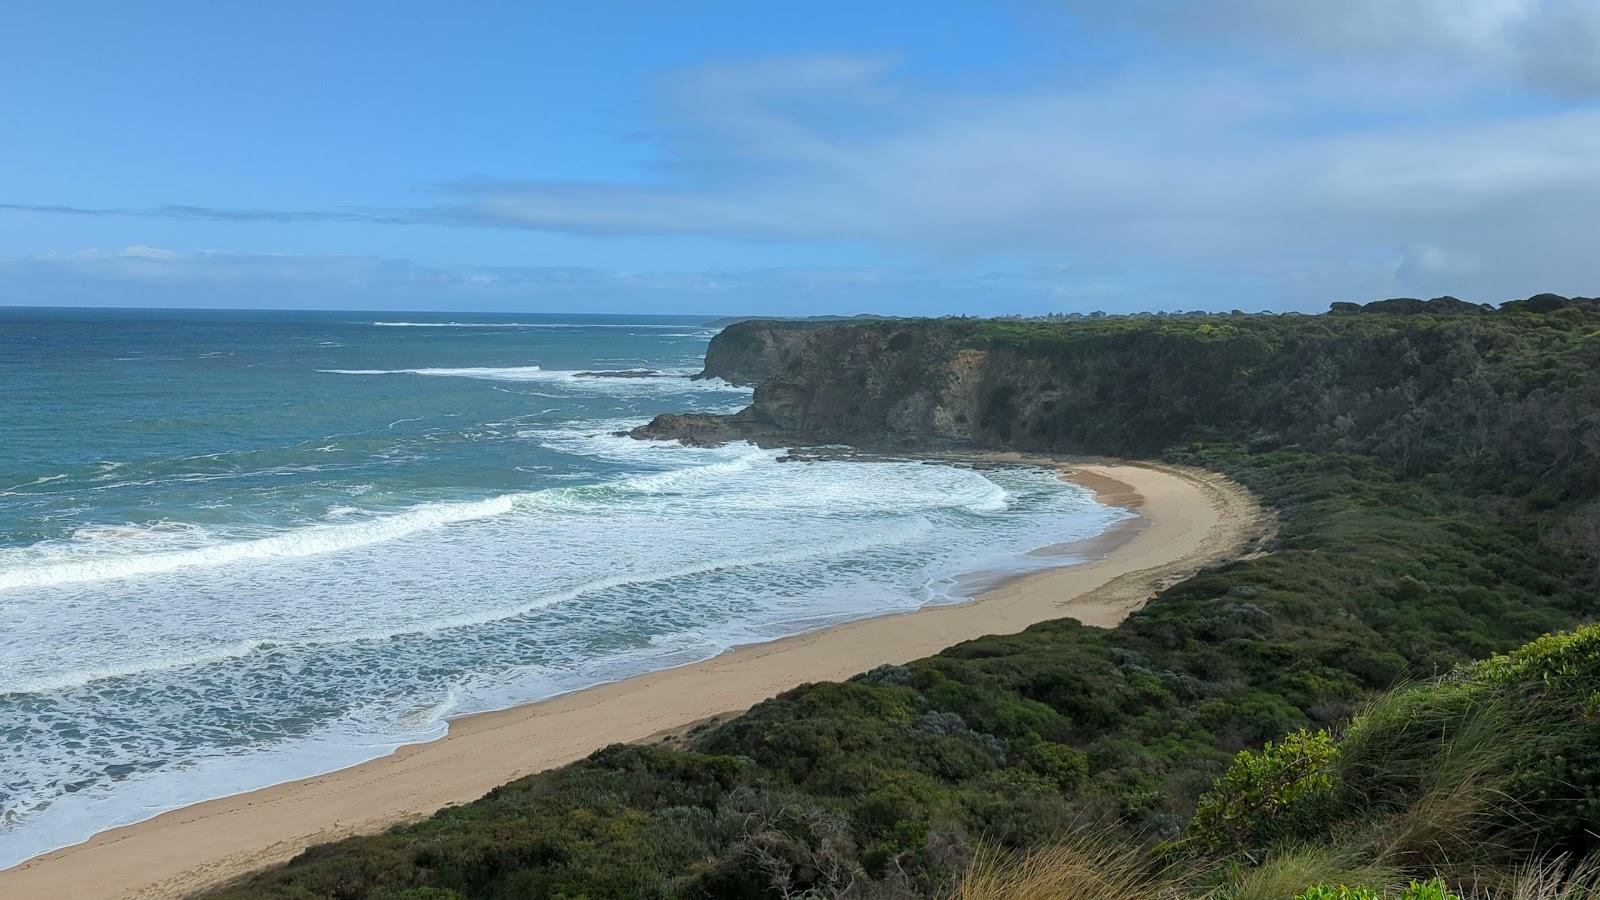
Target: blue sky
763,158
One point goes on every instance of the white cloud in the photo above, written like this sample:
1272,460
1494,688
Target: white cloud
141,275
1549,44
1273,151
141,252
1219,172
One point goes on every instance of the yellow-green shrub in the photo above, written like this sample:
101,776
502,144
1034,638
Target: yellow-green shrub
1284,791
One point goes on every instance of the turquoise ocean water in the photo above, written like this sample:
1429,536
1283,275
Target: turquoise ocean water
241,548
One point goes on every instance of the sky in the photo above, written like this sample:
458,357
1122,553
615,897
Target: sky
737,158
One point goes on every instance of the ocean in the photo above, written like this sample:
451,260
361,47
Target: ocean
238,548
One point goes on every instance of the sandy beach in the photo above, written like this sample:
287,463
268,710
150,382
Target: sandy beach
1187,519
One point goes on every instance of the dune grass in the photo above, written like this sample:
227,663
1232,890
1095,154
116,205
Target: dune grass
1084,868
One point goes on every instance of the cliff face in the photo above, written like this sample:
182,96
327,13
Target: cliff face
875,383
878,382
882,382
918,383
1409,390
747,352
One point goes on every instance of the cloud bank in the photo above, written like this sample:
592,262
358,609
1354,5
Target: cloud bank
1244,152
1307,182
147,276
1551,45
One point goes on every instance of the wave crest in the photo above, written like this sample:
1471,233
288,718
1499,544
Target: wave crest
308,541
676,381
505,373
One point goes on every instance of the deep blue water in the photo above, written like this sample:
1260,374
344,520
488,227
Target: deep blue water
243,547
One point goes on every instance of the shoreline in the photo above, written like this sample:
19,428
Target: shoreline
1187,518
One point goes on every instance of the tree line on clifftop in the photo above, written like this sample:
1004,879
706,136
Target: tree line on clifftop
1398,698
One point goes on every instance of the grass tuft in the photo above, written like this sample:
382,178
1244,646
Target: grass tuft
1084,868
1292,871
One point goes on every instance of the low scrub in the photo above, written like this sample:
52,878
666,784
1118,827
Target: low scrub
1435,480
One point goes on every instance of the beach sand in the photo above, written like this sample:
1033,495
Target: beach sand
1187,519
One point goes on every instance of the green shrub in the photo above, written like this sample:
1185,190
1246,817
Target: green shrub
1566,662
1064,766
1500,755
1284,791
1433,889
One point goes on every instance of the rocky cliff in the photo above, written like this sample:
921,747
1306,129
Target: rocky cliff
873,382
881,382
747,352
1365,381
960,381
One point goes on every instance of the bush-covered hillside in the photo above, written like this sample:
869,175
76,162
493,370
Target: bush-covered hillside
1504,402
1436,480
1471,768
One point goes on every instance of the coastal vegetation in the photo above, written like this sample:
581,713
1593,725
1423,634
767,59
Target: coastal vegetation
1398,698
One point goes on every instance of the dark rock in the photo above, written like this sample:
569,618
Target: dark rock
747,352
693,429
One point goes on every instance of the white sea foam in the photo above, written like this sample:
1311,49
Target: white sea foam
361,631
43,479
80,677
54,564
506,373
787,553
676,381
238,609
105,552
356,737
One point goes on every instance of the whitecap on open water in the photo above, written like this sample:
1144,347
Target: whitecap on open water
242,548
